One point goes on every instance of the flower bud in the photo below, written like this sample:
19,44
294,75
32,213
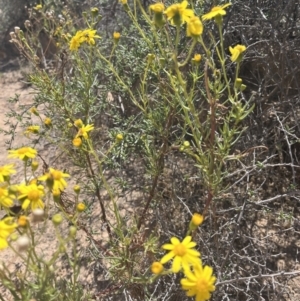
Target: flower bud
196,221
72,231
77,142
80,207
119,137
76,189
23,221
116,36
57,219
157,267
78,123
34,165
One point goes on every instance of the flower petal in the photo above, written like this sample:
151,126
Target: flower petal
176,266
175,241
167,257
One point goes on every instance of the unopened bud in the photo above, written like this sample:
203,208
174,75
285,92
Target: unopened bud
57,219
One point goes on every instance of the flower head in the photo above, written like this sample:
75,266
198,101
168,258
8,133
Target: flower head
83,131
6,197
123,1
157,7
116,36
80,207
7,226
55,179
157,267
236,52
6,171
78,123
196,59
33,129
183,253
89,35
23,153
76,41
77,142
196,221
47,122
194,27
31,195
217,11
199,283
38,7
179,13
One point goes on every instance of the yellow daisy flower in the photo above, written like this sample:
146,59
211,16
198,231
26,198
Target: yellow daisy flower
199,283
31,195
6,171
183,253
179,13
216,11
6,198
76,41
89,36
55,179
236,52
23,153
83,131
7,227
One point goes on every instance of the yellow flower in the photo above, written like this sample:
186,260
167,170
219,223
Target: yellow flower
80,207
123,1
23,153
94,11
31,195
194,27
76,41
157,7
77,142
199,283
22,221
236,52
34,111
196,221
76,189
119,137
38,7
89,35
217,11
116,36
78,123
33,129
183,253
55,179
83,131
6,171
7,226
178,13
157,267
47,122
6,198
197,58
